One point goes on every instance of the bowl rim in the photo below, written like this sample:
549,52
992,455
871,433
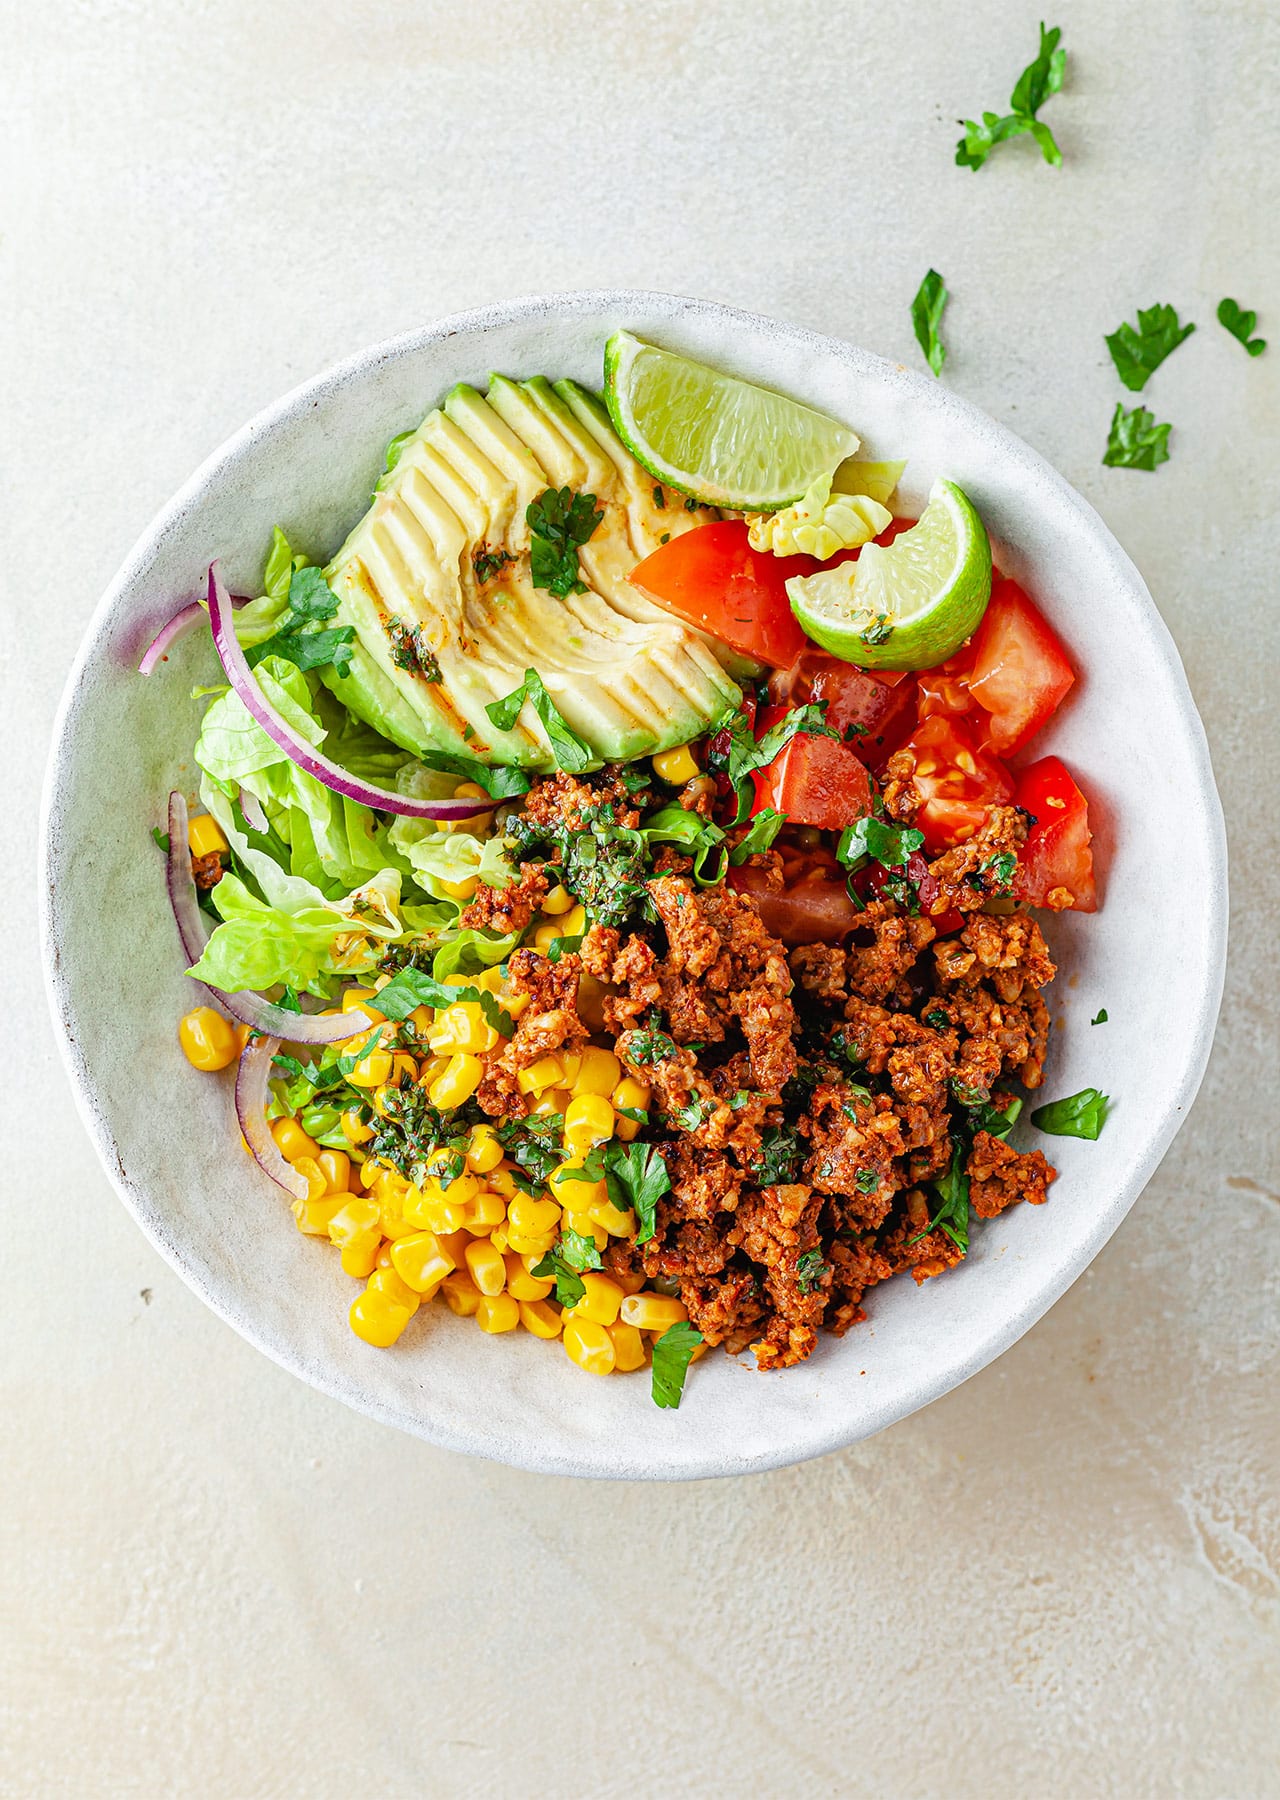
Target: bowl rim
991,1342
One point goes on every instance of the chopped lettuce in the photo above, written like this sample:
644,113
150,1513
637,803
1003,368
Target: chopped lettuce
304,944
442,859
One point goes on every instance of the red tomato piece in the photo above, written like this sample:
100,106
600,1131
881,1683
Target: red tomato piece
958,781
814,910
880,708
946,688
1019,671
815,781
1055,865
712,578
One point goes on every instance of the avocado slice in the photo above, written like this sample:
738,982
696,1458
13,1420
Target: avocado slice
435,580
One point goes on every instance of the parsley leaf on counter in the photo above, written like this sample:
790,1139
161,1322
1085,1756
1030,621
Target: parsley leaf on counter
1138,354
560,521
1135,441
926,316
1101,1018
566,746
1233,318
1038,82
1080,1115
671,1354
310,602
637,1177
889,845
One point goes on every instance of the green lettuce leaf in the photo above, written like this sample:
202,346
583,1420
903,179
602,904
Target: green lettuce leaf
258,945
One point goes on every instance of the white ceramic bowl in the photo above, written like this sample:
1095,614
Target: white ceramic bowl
1153,956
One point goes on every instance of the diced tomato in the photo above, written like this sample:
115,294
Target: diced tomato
1019,671
1055,865
712,578
879,707
946,688
815,781
815,910
958,781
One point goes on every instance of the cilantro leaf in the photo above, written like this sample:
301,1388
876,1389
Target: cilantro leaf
578,1251
310,602
671,1354
810,1268
414,987
736,752
780,1156
161,838
1038,82
889,845
487,563
570,1286
997,1121
702,838
1101,1017
1138,354
952,1215
1135,440
1041,78
559,522
570,752
764,827
926,317
499,780
1080,1115
637,1177
1240,324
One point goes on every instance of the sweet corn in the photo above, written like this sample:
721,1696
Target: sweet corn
479,1216
207,1039
404,1070
544,1073
540,1318
498,1238
570,1062
242,1035
616,1220
675,766
461,1295
465,790
558,901
652,1312
485,1266
530,1217
356,1230
204,835
521,1283
484,1152
463,890
589,1345
459,1081
433,1067
421,1262
631,1284
427,1209
502,1181
372,1070
313,1175
391,1203
601,1299
360,1257
376,1320
585,1226
354,1128
357,999
497,1312
523,1245
574,1189
598,1072
292,1141
462,1026
391,1286
336,1165
628,1347
588,1121
551,1103
313,1216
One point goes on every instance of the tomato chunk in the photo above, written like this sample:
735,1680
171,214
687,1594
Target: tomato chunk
1055,865
958,781
1019,673
815,781
712,578
814,910
878,710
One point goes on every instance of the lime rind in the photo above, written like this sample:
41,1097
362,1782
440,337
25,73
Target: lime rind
722,441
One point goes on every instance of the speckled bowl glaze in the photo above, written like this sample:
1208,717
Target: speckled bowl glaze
1153,956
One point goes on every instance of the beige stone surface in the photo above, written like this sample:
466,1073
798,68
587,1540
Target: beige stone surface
1063,1579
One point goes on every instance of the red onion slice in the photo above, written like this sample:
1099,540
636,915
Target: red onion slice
251,807
253,1078
168,635
296,748
249,1008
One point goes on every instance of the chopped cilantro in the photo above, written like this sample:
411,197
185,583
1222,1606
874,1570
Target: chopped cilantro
810,1268
926,317
310,602
671,1354
952,1215
570,752
487,563
1233,318
764,827
1100,1018
1080,1115
878,632
578,1251
410,650
414,987
637,1178
872,840
651,1045
1037,83
1135,440
570,1286
1138,354
780,1156
560,521
868,1180
659,498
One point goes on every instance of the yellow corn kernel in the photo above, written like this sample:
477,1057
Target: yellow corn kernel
530,1217
485,1266
479,1216
546,935
459,1081
497,1312
204,835
357,1215
460,1294
628,1347
421,1262
361,999
540,1318
372,1070
391,1286
484,1152
426,1209
531,1247
652,1312
585,1226
515,1004
391,1213
207,1039
558,901
242,1035
545,1073
404,1070
616,1220
312,1216
633,1096
432,1068
631,1284
588,1121
675,766
354,1128
574,922
359,1258
574,1189
498,1237
336,1165
313,1175
463,890
589,1345
292,1141
601,1299
550,1103
462,1026
598,1072
377,1321
521,1283
503,1181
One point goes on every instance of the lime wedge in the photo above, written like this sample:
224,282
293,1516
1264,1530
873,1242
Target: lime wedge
720,440
905,605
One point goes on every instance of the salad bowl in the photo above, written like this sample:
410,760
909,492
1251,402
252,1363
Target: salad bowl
1152,956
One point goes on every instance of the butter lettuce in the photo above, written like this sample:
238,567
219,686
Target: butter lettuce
306,944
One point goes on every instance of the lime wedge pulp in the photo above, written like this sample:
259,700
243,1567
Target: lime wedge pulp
905,605
723,441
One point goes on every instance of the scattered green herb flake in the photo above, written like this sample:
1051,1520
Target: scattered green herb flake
811,1266
1080,1115
161,838
779,1158
346,1064
1233,318
692,505
764,827
1000,871
1135,440
1138,354
665,538
659,498
926,317
671,1354
1038,82
868,1180
487,563
637,1178
938,1021
878,632
997,1121
873,840
411,651
560,521
567,747
651,1045
1100,1018
952,1215
412,988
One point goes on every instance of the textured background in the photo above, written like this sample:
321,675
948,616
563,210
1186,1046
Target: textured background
1063,1579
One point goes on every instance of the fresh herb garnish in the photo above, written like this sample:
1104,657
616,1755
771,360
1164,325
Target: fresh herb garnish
926,317
502,781
779,1157
810,1268
1138,354
997,1121
1240,324
637,1177
560,521
736,752
161,838
878,632
410,650
651,1045
487,563
868,1180
414,987
567,747
1135,440
701,838
310,602
659,498
1080,1115
570,1286
578,1250
696,1111
764,827
671,1354
872,840
1037,83
533,1144
952,1215
1000,869
1100,1017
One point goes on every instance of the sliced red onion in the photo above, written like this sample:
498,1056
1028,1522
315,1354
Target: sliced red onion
296,748
251,807
193,613
253,1079
248,1007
